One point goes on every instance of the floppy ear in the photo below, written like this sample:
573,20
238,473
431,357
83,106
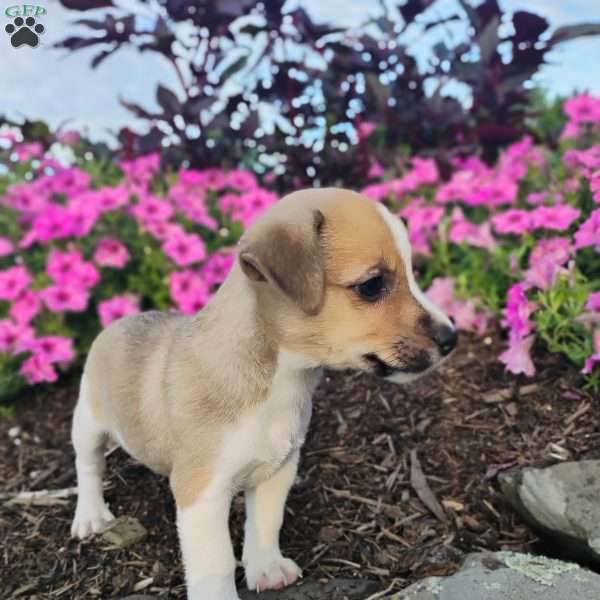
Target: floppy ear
289,256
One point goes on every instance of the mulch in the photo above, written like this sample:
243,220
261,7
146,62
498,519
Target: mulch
396,483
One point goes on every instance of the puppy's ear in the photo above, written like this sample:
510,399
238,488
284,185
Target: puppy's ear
289,256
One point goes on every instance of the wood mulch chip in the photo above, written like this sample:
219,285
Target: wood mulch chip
396,483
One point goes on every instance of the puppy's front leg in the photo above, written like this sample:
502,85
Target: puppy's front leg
264,564
205,543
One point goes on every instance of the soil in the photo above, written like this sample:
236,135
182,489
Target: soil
396,483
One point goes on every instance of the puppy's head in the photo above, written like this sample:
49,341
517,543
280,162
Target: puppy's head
333,274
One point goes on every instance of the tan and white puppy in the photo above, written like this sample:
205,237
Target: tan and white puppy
220,401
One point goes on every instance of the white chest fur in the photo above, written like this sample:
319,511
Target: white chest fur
265,438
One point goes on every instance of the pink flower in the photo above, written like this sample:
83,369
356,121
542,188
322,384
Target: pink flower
376,170
111,252
60,298
558,217
593,302
583,108
13,281
595,186
192,205
464,312
69,137
517,357
588,233
151,209
189,290
52,348
556,249
163,230
141,170
462,230
241,180
365,129
70,269
185,248
217,267
518,310
425,170
54,222
513,220
25,307
6,246
37,369
591,361
28,151
117,307
14,335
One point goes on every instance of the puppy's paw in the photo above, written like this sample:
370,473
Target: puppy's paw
271,572
90,519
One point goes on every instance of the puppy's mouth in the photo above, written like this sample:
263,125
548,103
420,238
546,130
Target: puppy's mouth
420,363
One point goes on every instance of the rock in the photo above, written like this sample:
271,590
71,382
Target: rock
560,501
124,531
508,576
338,589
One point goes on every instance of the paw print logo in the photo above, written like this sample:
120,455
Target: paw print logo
24,31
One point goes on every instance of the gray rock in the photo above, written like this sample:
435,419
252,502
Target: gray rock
124,531
508,576
561,501
338,589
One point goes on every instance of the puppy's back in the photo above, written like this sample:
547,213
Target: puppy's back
123,382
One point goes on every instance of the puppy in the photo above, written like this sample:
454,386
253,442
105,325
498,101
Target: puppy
221,401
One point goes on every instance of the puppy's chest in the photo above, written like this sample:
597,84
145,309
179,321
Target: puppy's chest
264,440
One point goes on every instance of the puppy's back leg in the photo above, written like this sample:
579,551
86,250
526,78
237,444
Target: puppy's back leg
88,437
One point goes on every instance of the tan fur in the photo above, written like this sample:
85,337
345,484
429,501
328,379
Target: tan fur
169,386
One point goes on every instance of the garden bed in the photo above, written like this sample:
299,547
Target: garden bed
353,511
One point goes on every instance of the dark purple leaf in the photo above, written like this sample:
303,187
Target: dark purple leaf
168,100
86,4
411,8
528,27
569,32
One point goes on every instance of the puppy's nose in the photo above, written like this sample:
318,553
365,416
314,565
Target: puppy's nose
446,338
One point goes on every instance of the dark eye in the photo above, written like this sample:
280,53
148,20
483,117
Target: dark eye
372,289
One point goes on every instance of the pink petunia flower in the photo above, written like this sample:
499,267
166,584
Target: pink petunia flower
365,129
588,233
60,298
151,209
513,220
546,261
185,248
28,151
591,361
217,267
558,217
13,281
189,290
6,246
37,369
518,310
69,268
593,302
117,307
463,230
13,335
517,357
52,348
163,230
111,252
583,108
25,307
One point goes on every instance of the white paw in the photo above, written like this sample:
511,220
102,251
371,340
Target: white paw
270,572
90,518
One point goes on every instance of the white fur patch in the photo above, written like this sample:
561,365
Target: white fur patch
402,243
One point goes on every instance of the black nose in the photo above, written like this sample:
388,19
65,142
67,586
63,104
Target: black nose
445,337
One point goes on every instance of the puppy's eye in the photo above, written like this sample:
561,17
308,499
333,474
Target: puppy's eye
372,289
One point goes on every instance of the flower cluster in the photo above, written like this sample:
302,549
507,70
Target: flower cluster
514,244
